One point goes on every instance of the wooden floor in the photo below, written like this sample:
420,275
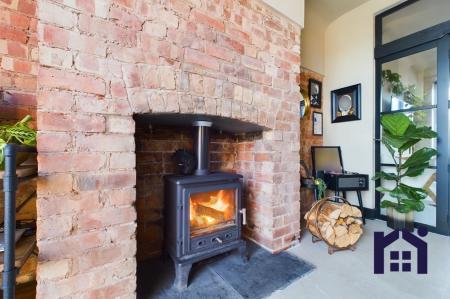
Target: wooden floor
25,291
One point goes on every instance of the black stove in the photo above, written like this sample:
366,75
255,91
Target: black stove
203,212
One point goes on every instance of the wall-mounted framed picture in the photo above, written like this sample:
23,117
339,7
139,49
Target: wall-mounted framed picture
346,104
317,123
315,93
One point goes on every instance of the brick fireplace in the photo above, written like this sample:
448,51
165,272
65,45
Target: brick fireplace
103,62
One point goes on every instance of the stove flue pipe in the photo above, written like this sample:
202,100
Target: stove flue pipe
201,143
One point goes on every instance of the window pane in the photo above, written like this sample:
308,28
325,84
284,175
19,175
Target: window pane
427,181
410,81
415,17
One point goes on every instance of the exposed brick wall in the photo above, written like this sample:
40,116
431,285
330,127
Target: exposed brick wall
103,61
307,137
154,150
18,59
306,123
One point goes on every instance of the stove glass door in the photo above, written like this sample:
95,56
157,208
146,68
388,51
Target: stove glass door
211,211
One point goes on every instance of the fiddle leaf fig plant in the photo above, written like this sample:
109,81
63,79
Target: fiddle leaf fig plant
399,135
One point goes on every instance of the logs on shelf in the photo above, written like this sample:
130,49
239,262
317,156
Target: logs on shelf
338,224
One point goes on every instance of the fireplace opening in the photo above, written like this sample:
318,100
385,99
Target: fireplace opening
192,216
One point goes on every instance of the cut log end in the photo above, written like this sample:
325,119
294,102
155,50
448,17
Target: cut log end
339,225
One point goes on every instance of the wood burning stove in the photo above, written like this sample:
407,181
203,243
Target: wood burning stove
203,212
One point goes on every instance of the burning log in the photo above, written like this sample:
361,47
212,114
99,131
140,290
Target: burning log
211,212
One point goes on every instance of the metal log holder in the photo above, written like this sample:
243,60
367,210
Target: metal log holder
10,182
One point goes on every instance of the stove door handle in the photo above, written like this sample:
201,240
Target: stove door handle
244,216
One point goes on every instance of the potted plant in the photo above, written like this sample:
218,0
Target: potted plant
400,134
18,133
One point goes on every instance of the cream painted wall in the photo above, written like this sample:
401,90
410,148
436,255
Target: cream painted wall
349,46
294,9
313,42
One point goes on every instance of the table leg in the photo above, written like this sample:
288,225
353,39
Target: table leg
361,206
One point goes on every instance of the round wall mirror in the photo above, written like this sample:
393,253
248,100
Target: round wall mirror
304,106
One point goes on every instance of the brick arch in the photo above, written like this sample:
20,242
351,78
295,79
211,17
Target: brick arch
101,64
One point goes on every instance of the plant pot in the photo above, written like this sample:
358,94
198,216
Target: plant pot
397,220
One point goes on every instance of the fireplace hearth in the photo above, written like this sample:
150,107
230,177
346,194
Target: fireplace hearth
204,212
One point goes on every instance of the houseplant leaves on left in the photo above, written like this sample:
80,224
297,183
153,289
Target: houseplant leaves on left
18,133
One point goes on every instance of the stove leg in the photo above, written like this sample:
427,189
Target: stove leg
181,275
243,252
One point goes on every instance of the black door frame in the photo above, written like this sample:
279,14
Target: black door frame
434,37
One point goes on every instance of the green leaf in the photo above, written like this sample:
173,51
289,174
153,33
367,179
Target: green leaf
415,171
385,176
420,133
413,192
388,204
402,208
396,124
413,205
394,141
408,144
398,194
420,157
2,156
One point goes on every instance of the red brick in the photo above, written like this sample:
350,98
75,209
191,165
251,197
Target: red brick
231,44
17,49
219,52
53,142
196,57
201,18
122,197
124,17
273,25
55,184
12,34
123,287
126,3
27,7
118,124
240,35
87,63
117,89
105,217
49,121
65,80
55,36
26,83
107,143
18,98
86,5
63,162
85,201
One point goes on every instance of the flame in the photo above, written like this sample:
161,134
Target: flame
221,201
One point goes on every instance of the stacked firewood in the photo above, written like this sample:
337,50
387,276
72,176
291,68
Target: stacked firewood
339,225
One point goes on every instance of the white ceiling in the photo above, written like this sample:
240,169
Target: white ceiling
330,10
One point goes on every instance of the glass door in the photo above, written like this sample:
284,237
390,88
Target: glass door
416,83
409,85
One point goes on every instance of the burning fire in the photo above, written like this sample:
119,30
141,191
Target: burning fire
211,208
